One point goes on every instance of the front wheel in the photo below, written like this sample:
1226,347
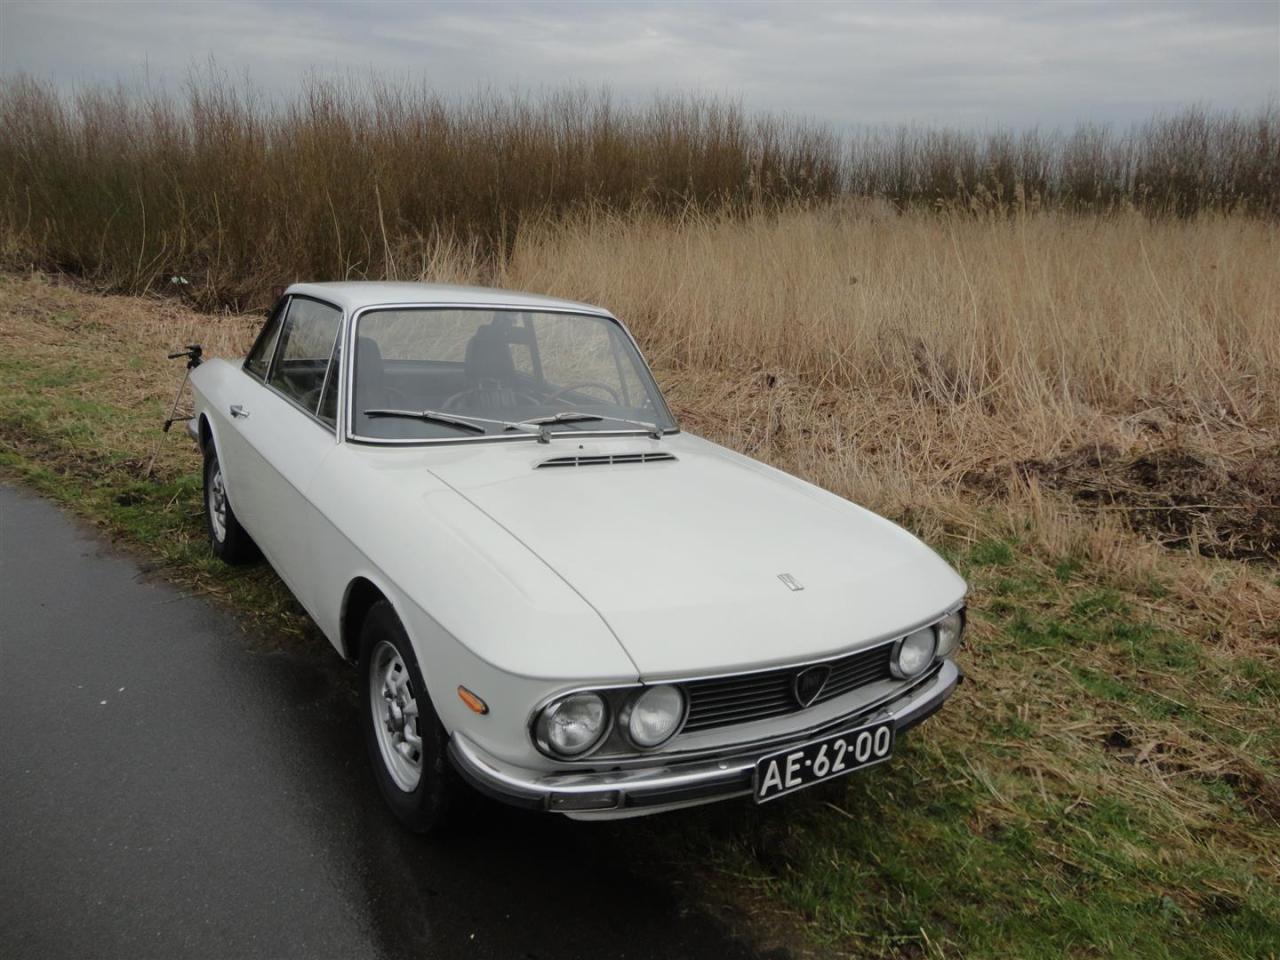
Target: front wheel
231,542
406,742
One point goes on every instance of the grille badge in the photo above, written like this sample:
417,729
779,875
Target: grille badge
791,582
807,685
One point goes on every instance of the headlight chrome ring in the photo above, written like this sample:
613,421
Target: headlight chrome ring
654,715
572,725
950,632
913,654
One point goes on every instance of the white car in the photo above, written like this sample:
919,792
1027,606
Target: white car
553,593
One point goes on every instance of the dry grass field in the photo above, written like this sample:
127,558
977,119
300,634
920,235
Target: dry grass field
1081,411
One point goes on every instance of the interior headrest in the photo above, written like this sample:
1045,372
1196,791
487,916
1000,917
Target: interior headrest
489,355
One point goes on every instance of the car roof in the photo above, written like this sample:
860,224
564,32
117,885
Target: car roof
355,295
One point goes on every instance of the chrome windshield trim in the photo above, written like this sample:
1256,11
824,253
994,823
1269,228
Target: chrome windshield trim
347,417
490,438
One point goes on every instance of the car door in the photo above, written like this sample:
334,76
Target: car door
284,426
241,465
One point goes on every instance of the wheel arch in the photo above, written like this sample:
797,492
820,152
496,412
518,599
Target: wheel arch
205,432
209,441
358,599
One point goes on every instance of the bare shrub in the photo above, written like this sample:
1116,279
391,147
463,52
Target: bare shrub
238,196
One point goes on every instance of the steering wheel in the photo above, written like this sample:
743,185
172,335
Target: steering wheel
519,394
585,383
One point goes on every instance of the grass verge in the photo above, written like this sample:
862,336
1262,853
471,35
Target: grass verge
1105,784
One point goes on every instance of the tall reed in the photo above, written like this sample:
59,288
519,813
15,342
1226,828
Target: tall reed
236,195
1180,163
227,196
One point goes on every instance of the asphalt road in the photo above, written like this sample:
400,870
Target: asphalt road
168,789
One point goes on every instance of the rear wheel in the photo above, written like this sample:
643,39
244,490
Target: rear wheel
230,542
406,742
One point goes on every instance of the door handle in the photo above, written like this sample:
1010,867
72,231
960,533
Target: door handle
238,411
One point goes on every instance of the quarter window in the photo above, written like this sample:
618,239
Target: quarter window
306,350
259,358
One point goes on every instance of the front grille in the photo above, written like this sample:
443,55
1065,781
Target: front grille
723,701
605,459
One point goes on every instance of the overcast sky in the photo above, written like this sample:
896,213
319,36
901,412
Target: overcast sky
960,63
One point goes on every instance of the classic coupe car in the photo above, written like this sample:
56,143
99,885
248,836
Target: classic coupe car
554,594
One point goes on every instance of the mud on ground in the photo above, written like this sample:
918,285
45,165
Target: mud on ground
1182,498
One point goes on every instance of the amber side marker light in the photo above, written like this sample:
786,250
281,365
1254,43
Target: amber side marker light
472,701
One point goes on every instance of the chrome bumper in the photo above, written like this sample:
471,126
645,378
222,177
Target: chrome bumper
635,789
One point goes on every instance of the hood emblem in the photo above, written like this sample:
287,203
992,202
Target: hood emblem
808,684
791,582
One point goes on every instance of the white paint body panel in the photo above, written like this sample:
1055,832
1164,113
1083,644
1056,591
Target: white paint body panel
682,559
521,582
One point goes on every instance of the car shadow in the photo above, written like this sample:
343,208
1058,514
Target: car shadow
493,880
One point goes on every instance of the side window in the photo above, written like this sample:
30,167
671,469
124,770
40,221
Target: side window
259,358
306,347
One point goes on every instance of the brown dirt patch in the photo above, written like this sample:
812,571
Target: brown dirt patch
1180,497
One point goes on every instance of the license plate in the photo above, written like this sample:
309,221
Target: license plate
782,773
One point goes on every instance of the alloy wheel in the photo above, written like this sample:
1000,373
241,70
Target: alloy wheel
218,504
395,716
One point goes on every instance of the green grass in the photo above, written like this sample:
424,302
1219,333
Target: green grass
1037,832
51,440
1103,785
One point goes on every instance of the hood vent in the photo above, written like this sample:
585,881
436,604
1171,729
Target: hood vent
605,459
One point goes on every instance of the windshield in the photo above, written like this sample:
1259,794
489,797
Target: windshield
499,367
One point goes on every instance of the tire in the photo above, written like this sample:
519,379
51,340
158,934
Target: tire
231,543
408,752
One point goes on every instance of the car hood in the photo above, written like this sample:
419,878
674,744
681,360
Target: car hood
686,559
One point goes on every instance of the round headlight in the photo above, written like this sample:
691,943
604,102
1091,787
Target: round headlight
913,654
654,716
950,630
572,725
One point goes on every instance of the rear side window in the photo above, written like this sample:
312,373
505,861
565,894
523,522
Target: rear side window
306,349
259,358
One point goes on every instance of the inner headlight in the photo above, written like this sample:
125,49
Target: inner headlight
572,725
654,716
913,654
950,630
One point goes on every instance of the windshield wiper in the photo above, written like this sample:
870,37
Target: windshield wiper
539,425
564,416
543,424
472,424
573,416
652,429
